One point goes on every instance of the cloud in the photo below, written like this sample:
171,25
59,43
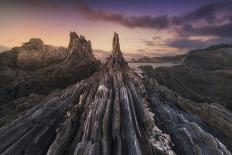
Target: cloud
184,43
224,30
101,54
210,13
50,4
211,19
189,44
158,22
138,53
157,38
149,43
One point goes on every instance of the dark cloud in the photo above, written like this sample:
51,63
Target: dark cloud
208,20
212,19
184,43
149,43
50,4
210,13
155,41
202,21
224,30
156,38
189,44
206,15
159,22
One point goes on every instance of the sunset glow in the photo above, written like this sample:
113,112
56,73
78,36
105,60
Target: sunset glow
146,28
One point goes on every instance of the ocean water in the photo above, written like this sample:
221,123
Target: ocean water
154,65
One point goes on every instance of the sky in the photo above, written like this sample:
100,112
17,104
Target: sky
145,27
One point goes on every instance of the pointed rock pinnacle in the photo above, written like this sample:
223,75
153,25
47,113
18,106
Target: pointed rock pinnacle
116,59
116,44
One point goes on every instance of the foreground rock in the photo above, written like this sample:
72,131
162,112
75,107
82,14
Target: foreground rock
214,118
39,69
112,112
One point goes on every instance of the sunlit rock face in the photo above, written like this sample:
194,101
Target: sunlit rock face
33,55
34,44
36,68
79,47
112,112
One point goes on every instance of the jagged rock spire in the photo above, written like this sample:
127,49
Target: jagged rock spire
73,40
116,44
79,46
116,59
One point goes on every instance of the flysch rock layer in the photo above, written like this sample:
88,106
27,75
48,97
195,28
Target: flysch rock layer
110,113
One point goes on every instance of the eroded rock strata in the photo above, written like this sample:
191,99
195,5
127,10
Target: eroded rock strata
191,122
36,68
112,112
203,76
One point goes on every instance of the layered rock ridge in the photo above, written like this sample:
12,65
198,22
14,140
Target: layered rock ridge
36,68
104,114
190,134
113,112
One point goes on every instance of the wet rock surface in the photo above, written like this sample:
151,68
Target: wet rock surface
112,112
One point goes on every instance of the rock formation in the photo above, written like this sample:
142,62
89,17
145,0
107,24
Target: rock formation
38,68
214,58
32,55
116,60
200,86
206,76
213,119
100,115
112,112
79,46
